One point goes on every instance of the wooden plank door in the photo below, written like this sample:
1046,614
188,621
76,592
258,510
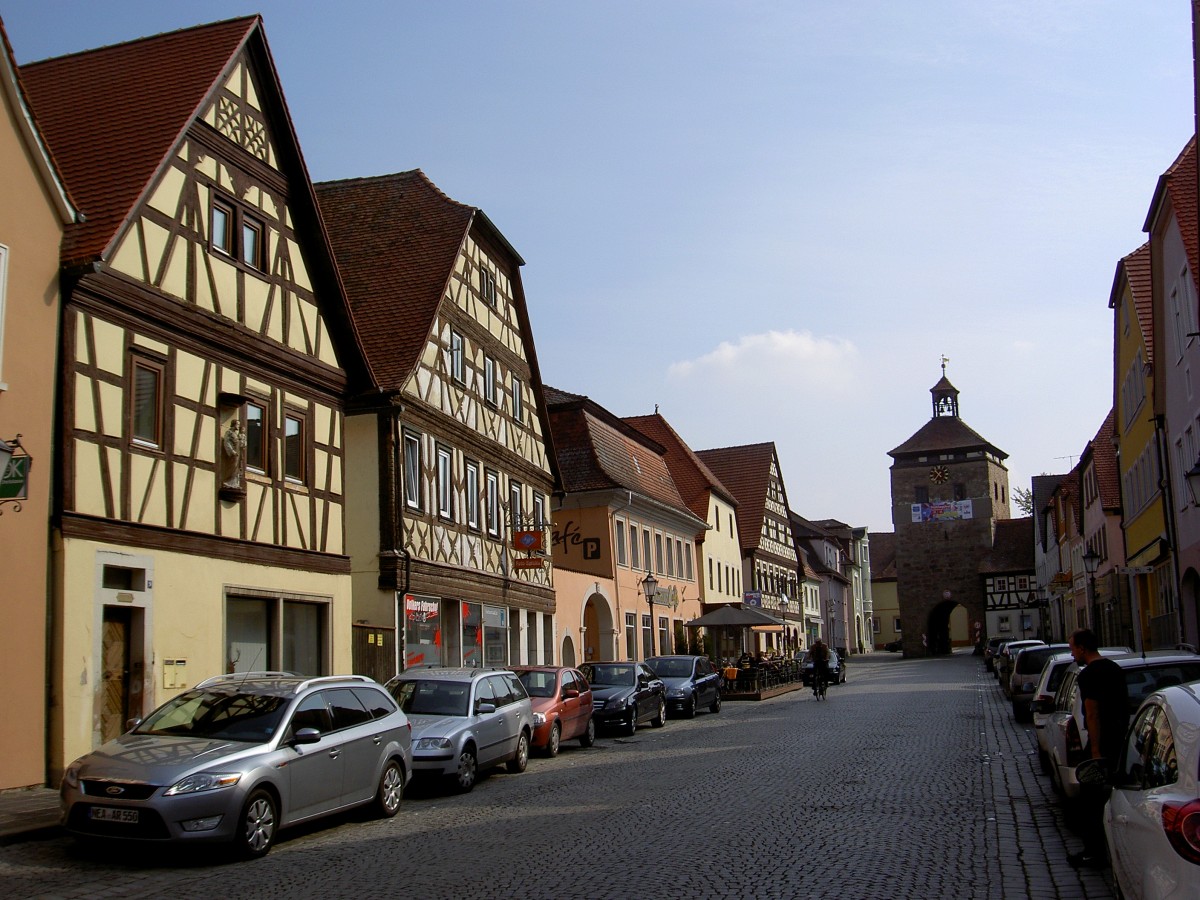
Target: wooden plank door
114,652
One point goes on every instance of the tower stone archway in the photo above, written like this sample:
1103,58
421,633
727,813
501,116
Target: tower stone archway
949,488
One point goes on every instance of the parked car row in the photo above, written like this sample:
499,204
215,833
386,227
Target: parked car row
239,757
1152,819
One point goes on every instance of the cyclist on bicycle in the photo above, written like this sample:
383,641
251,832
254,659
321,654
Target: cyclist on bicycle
820,659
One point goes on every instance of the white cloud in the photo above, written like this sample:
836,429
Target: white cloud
789,355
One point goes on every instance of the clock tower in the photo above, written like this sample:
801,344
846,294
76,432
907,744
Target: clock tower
949,488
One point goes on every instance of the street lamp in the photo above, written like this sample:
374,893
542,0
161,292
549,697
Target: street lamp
1091,562
650,589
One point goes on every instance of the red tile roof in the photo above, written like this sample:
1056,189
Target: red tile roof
112,116
883,556
598,451
1180,183
693,478
1104,458
1136,270
397,239
1012,547
746,471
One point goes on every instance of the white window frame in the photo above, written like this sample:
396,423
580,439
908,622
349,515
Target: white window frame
445,482
518,406
457,352
489,380
492,480
412,479
472,475
622,552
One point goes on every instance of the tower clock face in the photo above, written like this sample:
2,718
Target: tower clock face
939,474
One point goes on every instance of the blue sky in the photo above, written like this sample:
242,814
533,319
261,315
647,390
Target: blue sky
769,218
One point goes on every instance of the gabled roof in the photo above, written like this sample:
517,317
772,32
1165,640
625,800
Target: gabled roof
942,434
397,240
807,534
112,117
597,451
1178,184
883,556
694,480
1135,269
1103,454
115,117
1043,487
39,153
1012,547
746,471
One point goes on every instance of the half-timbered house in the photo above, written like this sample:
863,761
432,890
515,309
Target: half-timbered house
451,476
206,352
770,564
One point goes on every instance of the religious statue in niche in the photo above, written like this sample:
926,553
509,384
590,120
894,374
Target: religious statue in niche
233,453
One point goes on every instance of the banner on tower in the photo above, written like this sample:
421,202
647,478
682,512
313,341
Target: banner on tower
942,511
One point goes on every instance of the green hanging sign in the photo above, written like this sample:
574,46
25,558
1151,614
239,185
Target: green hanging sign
14,484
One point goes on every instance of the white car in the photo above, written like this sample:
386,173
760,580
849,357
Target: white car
1152,820
1042,703
1066,730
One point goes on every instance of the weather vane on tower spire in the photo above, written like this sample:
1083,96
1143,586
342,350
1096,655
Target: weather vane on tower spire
945,359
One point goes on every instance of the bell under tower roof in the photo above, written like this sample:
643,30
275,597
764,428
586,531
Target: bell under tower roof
945,395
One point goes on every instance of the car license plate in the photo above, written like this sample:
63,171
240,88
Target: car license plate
111,814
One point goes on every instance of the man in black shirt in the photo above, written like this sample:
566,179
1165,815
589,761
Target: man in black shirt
1105,697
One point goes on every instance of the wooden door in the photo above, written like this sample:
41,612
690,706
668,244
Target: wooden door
114,652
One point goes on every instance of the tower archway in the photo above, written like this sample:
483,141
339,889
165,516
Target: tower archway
949,627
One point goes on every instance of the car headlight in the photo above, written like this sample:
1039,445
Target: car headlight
203,781
619,702
432,743
71,776
677,692
539,719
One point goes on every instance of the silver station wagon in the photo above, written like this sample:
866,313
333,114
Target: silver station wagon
240,756
465,721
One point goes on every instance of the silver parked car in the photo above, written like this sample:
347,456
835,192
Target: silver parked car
465,721
238,757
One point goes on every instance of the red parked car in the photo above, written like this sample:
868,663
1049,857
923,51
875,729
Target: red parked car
562,706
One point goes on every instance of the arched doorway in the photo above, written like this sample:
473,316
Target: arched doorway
598,632
568,651
948,627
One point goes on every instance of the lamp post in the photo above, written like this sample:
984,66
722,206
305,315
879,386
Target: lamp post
1091,562
650,589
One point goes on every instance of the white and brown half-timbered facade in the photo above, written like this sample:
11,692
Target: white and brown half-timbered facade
770,564
207,350
450,474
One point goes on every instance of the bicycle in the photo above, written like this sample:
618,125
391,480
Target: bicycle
820,683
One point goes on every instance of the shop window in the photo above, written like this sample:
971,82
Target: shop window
276,634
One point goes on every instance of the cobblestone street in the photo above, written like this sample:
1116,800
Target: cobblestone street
912,781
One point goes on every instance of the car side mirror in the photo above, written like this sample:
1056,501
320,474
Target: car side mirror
1093,771
570,693
484,708
133,723
306,736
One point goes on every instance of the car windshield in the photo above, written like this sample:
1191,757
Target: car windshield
252,718
432,698
606,674
671,668
1142,682
538,684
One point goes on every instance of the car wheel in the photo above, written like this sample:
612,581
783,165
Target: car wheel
518,763
554,740
589,734
661,719
259,822
630,728
689,711
468,769
716,704
391,790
